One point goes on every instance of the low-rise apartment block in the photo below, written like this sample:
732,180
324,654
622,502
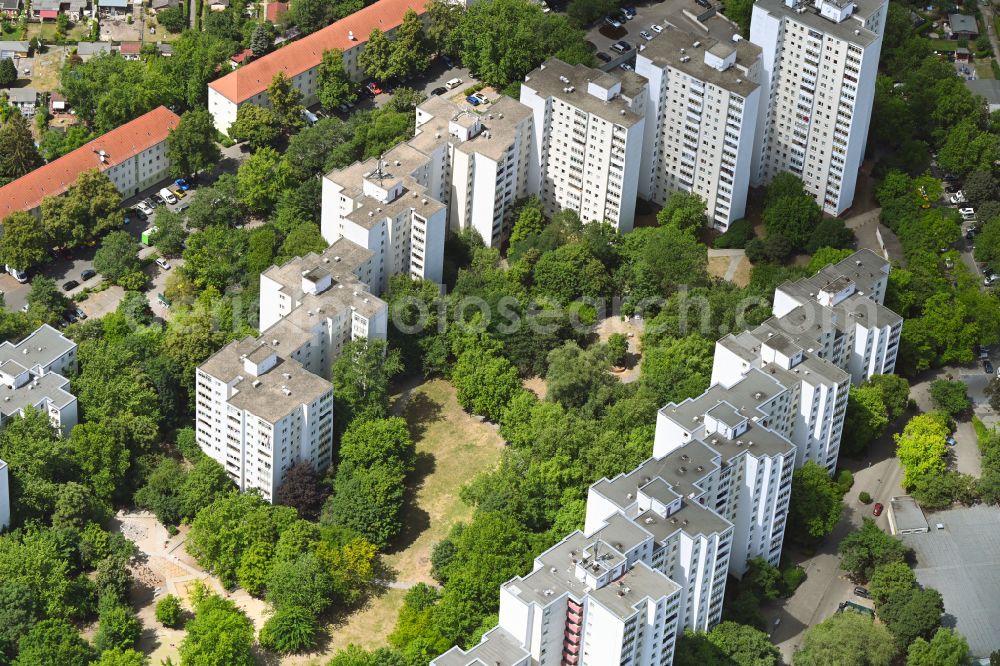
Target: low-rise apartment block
32,374
714,495
300,60
820,60
588,140
133,157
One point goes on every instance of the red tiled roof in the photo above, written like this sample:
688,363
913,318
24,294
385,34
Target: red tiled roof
307,52
130,48
274,10
119,144
245,54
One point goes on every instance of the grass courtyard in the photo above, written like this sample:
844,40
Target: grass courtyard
452,447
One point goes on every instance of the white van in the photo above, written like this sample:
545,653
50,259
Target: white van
167,196
453,83
20,276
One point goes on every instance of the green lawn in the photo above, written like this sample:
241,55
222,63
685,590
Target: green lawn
47,32
943,44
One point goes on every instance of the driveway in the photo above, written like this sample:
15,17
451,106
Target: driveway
826,585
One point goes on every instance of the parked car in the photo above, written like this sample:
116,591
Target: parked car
877,511
138,213
656,27
87,273
621,46
968,213
950,440
182,184
602,56
70,284
167,196
440,90
373,88
645,35
80,314
162,263
862,592
473,100
451,84
957,198
612,22
988,367
990,280
627,67
629,12
144,208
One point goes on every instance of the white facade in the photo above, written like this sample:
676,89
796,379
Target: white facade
259,413
700,120
714,496
588,140
312,306
819,66
4,497
300,60
399,223
32,373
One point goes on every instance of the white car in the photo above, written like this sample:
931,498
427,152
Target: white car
967,213
645,35
957,197
162,263
656,27
451,84
144,208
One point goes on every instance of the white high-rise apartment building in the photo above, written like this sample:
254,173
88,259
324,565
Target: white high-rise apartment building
714,495
311,306
588,140
488,156
266,404
820,61
259,413
700,118
381,205
592,599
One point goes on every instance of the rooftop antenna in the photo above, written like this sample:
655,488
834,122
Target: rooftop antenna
380,168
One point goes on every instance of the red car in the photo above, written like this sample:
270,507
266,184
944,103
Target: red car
877,511
374,89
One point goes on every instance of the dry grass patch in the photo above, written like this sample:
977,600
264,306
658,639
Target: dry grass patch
452,447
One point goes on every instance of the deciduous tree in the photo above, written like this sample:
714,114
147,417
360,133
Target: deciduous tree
191,146
335,86
864,549
846,639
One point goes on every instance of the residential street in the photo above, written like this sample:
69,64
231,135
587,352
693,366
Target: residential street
881,475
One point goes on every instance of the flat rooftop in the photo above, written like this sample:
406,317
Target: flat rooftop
906,515
962,562
498,648
553,77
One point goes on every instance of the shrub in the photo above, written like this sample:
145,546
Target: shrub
864,497
289,630
168,611
791,577
844,481
737,235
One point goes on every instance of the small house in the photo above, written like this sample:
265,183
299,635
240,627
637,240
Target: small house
130,50
113,8
87,50
10,8
963,26
57,104
13,50
241,58
24,100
